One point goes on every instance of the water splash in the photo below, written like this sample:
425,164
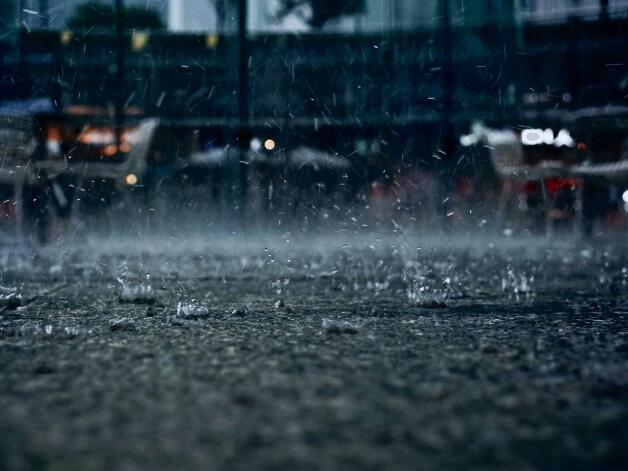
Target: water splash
335,326
517,285
191,310
141,293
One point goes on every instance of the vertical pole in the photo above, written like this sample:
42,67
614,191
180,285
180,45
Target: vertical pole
447,138
119,77
56,91
44,14
23,68
23,91
219,6
21,12
388,59
574,64
243,102
603,10
448,80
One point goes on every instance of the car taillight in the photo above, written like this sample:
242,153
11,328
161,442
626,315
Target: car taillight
556,184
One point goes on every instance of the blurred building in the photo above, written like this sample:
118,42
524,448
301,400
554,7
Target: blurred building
54,14
221,15
193,15
557,11
378,15
392,15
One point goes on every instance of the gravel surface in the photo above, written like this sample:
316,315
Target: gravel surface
336,352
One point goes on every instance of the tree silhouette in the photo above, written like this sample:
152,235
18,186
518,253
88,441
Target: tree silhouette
324,10
100,15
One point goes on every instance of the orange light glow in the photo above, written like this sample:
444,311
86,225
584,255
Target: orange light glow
53,134
110,150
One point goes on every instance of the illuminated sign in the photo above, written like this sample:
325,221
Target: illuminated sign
535,137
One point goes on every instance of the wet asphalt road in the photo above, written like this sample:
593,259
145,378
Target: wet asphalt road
335,352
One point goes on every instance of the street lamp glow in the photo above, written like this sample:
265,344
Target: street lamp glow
256,144
269,144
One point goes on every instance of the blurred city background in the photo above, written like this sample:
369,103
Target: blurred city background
508,114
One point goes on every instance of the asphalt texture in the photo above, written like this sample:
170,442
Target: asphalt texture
329,352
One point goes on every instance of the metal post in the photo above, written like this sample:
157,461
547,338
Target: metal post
574,61
603,10
119,77
221,14
21,12
243,102
24,89
388,52
44,14
448,80
447,138
56,91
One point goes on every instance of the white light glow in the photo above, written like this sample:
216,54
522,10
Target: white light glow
531,137
256,144
564,139
534,137
468,140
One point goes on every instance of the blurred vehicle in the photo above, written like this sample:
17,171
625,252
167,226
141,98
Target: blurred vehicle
302,181
602,136
532,165
89,151
46,158
18,145
573,174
